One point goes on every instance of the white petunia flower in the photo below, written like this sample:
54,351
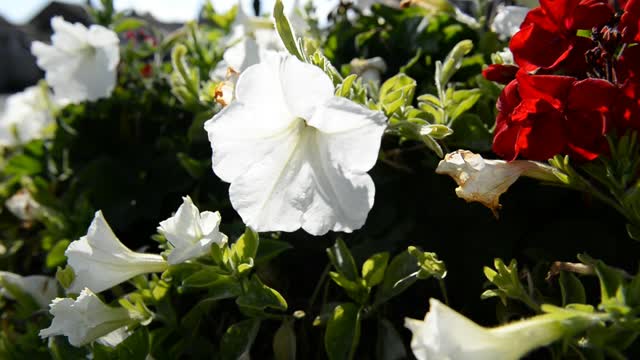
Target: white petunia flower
484,180
447,335
23,205
508,19
85,319
41,288
191,232
26,116
295,154
81,63
369,69
100,261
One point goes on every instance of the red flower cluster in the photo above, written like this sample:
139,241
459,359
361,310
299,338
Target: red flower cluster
569,90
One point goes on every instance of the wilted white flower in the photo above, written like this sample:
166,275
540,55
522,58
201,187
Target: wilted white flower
100,261
26,116
23,205
508,19
295,154
447,335
484,180
85,319
191,232
369,69
81,63
41,288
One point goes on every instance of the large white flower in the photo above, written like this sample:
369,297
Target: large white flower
485,180
508,19
447,335
41,288
23,205
85,319
100,261
81,63
295,154
26,116
191,232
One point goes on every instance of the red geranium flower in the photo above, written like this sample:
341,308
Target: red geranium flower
548,36
544,115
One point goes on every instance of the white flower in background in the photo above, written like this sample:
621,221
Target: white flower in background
100,261
365,5
191,232
295,154
23,205
27,116
224,91
41,288
484,180
251,40
85,319
508,19
369,69
81,63
447,335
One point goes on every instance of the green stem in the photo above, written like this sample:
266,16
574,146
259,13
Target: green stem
316,290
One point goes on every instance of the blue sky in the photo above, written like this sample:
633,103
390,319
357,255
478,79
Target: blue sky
165,10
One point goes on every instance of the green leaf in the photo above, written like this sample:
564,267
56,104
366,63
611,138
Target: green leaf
284,341
633,232
136,346
195,168
128,24
344,89
65,276
461,101
374,267
451,64
246,247
203,278
400,274
429,264
342,260
56,256
343,332
354,289
270,248
237,341
226,287
389,345
284,29
470,132
396,92
259,297
23,165
571,289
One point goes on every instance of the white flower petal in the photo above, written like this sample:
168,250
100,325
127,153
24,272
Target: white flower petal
446,334
287,171
26,117
100,261
81,63
508,19
242,134
190,232
272,193
305,87
85,319
352,133
41,288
